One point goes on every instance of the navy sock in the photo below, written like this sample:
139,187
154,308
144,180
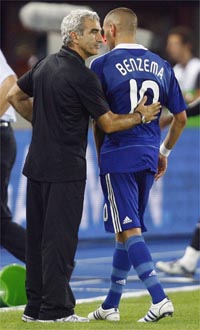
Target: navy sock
141,260
121,267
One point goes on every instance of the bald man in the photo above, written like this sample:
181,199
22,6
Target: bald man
130,161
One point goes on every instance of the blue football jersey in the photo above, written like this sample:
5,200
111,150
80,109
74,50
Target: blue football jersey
127,73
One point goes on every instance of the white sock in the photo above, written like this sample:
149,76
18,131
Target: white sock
190,259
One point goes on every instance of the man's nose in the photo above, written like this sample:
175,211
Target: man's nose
99,37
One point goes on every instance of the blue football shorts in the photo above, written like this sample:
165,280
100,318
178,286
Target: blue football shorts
126,196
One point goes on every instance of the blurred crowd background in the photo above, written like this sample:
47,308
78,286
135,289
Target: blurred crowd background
21,44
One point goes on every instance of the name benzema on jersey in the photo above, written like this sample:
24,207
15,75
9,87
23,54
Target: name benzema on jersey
139,64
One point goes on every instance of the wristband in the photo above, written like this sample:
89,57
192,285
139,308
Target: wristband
143,120
164,151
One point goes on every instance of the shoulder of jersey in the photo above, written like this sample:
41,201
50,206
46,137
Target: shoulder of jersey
98,59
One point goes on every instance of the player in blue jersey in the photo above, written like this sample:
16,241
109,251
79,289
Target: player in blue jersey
130,161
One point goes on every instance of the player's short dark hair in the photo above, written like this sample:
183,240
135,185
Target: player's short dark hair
123,9
133,22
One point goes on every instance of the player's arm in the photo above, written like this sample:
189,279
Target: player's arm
165,120
4,88
98,137
22,102
175,130
111,122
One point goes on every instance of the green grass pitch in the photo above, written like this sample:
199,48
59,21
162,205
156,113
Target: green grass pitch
186,316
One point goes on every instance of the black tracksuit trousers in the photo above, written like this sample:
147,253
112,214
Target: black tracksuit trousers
54,213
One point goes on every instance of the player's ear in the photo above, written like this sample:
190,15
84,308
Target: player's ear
113,29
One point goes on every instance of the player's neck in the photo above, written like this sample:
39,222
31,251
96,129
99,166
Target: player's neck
125,40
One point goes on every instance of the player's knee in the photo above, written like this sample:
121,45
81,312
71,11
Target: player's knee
131,232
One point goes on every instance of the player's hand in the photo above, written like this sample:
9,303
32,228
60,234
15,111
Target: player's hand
149,112
162,166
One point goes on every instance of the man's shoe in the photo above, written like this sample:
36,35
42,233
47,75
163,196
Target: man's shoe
71,318
27,318
173,268
111,314
158,311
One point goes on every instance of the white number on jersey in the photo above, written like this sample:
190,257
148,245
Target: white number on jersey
145,85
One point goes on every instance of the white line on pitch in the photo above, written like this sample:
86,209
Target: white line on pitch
84,282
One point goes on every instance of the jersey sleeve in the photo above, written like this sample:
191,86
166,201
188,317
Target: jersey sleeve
25,83
92,97
175,102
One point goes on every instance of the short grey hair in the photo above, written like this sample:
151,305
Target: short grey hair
75,22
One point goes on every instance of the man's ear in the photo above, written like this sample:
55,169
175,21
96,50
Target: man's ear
112,30
74,37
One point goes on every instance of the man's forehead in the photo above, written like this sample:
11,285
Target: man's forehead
90,24
174,36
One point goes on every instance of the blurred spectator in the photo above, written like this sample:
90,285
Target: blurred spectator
187,71
188,263
12,235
